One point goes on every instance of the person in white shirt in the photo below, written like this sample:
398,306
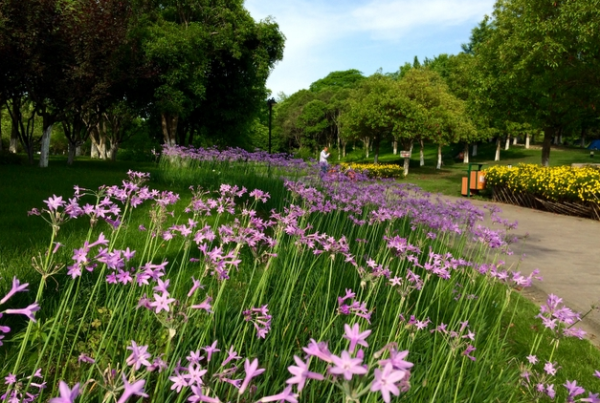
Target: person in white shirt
323,159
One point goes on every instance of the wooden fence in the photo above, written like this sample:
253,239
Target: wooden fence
572,208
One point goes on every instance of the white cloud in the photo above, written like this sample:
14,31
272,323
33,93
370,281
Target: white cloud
324,36
393,19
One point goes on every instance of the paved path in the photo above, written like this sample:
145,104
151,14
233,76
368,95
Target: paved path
567,252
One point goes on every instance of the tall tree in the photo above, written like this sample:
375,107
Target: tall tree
540,61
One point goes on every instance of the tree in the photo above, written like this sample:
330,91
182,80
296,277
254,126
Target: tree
338,79
379,110
540,62
208,62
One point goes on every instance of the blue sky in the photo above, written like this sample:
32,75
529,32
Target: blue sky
325,36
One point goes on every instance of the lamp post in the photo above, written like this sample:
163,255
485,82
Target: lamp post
270,103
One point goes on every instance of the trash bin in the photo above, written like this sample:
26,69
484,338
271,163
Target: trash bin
474,181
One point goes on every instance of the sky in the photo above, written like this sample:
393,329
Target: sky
324,36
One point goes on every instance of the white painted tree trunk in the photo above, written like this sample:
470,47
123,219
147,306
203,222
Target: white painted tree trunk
14,141
366,142
78,151
582,141
407,160
515,142
422,155
507,143
474,154
395,146
439,158
498,146
94,153
45,146
527,140
560,139
555,141
466,154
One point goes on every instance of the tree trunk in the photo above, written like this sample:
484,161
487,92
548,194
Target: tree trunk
466,154
507,143
114,148
407,159
376,142
366,142
439,157
94,152
515,142
45,145
549,135
527,140
498,146
395,146
169,127
344,148
474,154
14,138
72,153
339,149
582,140
555,140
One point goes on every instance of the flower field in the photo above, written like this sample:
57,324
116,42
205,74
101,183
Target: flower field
310,287
553,183
376,171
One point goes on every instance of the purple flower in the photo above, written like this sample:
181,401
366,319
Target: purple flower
286,395
179,382
25,311
385,381
139,356
210,350
204,305
573,389
161,302
54,202
198,396
16,287
252,371
549,368
135,389
532,359
66,395
318,350
301,374
85,358
355,336
592,398
347,366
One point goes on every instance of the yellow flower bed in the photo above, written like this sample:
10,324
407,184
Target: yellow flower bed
553,183
376,171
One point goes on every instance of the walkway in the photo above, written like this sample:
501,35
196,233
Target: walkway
566,250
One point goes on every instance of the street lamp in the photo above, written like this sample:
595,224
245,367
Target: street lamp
270,103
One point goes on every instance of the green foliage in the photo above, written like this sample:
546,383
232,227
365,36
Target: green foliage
338,79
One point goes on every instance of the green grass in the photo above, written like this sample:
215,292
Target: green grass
24,187
448,179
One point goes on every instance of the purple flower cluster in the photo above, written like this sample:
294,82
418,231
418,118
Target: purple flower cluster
28,311
261,320
353,306
229,154
26,389
389,378
556,317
